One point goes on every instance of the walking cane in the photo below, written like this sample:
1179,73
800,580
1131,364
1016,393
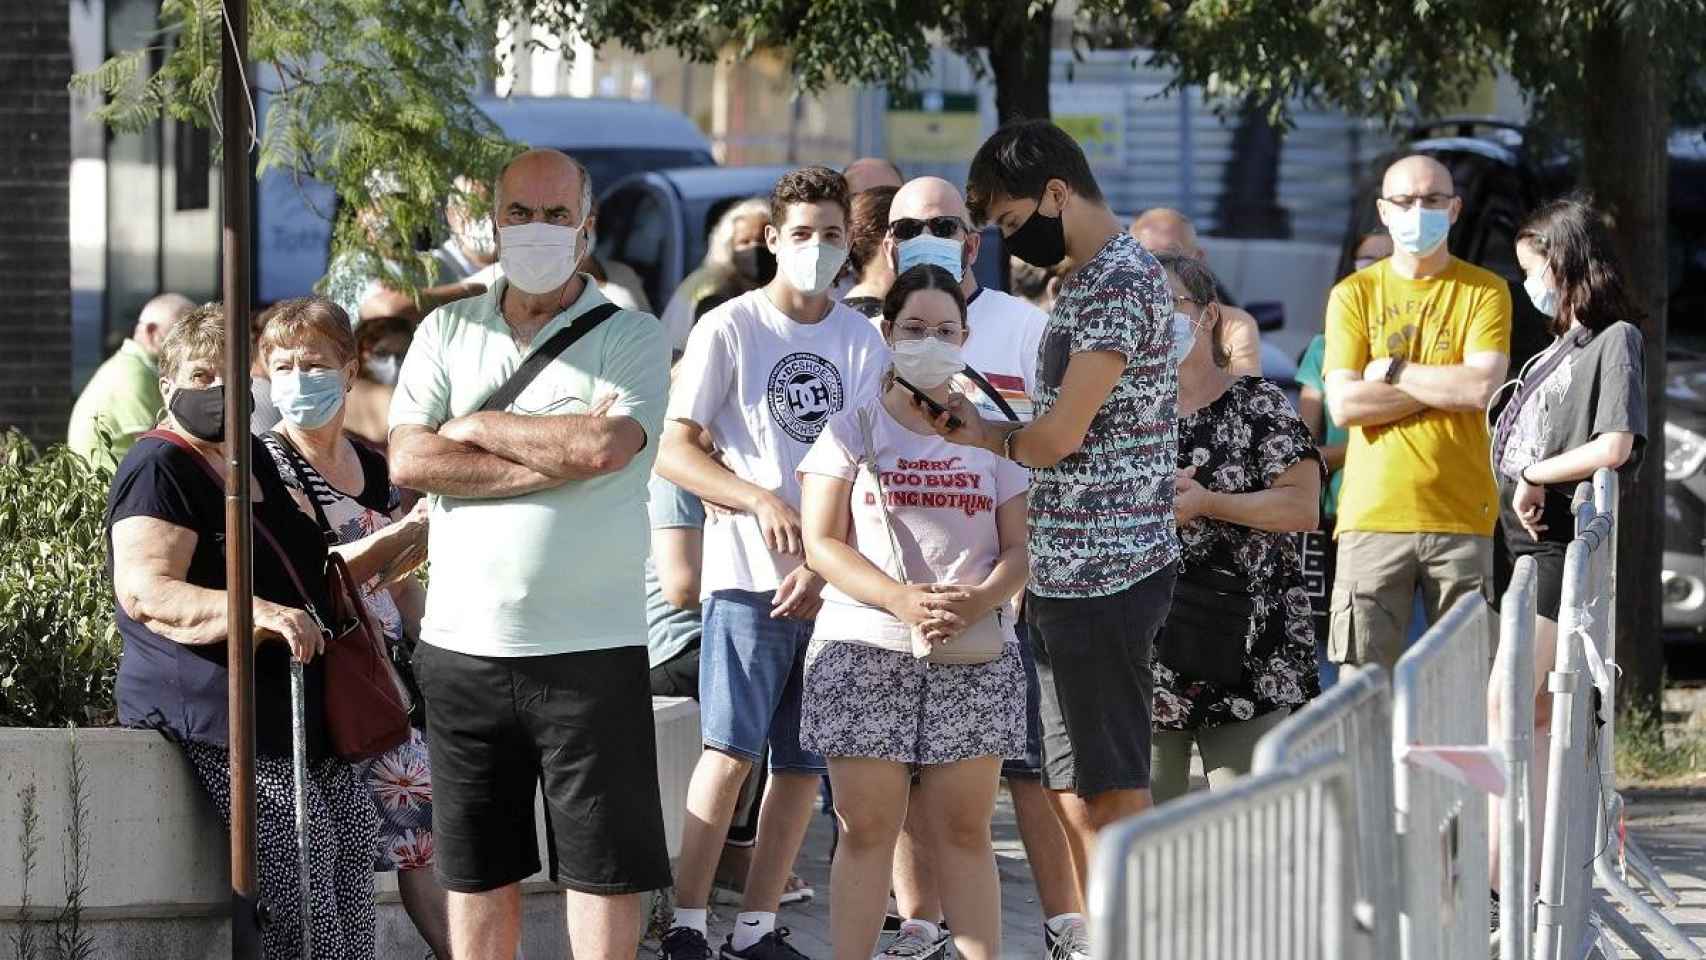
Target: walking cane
299,773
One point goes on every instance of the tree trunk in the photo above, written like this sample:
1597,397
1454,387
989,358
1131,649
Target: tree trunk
1627,166
1020,51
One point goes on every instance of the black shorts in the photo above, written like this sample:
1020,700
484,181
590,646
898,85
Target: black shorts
1548,551
578,724
679,675
1097,679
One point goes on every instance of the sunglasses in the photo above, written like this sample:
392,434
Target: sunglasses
944,227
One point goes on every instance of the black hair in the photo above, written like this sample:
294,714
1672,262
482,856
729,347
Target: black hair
1573,238
925,276
1019,160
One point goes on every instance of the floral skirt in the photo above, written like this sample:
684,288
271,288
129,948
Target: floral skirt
400,783
864,701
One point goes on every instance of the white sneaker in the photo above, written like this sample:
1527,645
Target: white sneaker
1072,943
913,943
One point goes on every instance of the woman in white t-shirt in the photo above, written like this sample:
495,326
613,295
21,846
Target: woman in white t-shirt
871,706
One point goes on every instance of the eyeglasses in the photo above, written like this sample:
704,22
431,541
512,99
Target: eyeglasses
914,330
1199,303
1432,201
945,227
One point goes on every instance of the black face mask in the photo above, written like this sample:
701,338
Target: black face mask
756,265
200,412
1040,241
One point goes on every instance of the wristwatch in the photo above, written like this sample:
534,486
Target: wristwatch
1394,368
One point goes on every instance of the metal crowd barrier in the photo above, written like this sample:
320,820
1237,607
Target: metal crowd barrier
1516,819
1440,700
1353,720
1583,809
1260,870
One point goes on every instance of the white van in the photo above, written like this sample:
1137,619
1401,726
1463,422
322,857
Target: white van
612,138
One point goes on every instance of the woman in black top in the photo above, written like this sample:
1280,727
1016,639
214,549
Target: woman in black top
873,271
165,529
1578,406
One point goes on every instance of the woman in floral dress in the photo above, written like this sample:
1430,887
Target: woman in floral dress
310,353
1249,478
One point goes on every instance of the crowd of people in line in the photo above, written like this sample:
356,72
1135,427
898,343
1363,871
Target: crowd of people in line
897,532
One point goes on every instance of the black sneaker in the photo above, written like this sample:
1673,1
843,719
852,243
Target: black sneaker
684,943
772,946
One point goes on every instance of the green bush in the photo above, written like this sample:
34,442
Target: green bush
59,649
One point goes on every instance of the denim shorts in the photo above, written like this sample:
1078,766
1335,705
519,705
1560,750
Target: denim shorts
751,671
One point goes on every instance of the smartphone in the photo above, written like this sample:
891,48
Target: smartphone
936,409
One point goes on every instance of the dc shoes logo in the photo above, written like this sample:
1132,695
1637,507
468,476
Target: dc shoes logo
804,390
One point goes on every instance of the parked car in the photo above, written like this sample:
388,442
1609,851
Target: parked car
1501,178
612,138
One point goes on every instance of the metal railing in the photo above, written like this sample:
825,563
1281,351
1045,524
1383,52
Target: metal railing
1440,700
1516,819
1260,870
1583,811
1353,720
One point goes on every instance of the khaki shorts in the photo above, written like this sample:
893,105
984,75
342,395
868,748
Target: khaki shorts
1375,588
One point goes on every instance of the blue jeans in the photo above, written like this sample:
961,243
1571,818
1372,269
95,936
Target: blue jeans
751,669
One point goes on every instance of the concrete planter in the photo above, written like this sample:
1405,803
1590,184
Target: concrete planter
158,879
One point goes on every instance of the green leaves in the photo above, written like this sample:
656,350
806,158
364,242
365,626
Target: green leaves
59,650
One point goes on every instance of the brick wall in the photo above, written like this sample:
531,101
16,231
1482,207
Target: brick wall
35,258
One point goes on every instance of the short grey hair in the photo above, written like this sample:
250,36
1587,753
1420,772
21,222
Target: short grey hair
719,249
1199,281
580,168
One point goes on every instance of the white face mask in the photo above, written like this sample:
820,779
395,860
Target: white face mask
539,257
927,363
810,267
1544,295
479,236
1184,336
384,369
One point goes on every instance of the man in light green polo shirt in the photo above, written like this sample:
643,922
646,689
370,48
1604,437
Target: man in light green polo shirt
122,400
533,650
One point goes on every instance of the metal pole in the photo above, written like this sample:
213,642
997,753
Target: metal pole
299,773
239,569
1516,896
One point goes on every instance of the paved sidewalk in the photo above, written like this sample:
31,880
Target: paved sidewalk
1671,827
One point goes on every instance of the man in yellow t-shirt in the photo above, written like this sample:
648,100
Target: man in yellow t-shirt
1416,344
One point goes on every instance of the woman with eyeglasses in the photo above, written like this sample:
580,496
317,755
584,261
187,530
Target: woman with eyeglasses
921,541
1578,406
1236,654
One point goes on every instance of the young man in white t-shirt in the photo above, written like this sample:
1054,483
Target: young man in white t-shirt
929,224
761,376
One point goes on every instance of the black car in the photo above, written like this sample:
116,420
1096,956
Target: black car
1501,177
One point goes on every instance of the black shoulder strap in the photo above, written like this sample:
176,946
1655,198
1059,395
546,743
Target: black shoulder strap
990,391
296,461
541,358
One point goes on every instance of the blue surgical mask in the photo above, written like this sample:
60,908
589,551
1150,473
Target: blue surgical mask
1184,336
308,399
930,250
1419,231
1544,295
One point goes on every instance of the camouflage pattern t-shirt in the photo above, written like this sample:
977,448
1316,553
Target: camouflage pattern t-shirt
1102,519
